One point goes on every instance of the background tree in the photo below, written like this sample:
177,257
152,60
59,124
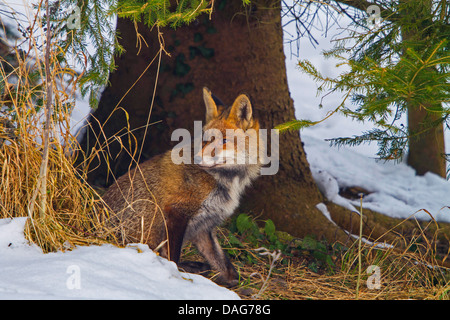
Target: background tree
399,66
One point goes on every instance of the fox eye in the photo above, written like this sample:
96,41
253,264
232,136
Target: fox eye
224,141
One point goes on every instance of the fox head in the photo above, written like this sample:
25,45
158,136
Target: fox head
230,135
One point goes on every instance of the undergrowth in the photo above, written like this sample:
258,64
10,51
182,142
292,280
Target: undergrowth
290,268
38,178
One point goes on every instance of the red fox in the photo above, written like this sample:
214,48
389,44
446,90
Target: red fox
164,204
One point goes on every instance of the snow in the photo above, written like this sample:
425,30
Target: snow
93,272
395,189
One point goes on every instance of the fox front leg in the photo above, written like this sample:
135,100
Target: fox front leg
176,221
209,247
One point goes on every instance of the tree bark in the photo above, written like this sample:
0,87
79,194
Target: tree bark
427,148
426,143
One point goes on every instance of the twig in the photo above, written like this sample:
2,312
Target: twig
42,182
359,249
275,256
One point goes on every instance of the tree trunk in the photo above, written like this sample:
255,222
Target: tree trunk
426,144
427,149
238,50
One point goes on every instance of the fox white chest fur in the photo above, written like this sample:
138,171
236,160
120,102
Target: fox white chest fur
223,200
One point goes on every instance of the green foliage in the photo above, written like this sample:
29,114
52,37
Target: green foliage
244,232
162,13
97,27
382,91
245,236
403,63
295,125
319,253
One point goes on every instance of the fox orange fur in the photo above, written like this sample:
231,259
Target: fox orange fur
165,205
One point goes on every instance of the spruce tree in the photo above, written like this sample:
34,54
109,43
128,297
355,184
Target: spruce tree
398,66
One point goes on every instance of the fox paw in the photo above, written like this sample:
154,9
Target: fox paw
194,267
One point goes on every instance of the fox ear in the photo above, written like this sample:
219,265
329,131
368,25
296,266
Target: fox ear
211,108
241,111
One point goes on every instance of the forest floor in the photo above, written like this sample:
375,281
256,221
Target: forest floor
272,266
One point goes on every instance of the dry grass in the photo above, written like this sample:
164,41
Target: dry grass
74,215
398,281
404,274
39,178
68,212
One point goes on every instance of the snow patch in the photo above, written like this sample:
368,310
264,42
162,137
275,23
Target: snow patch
395,189
101,272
